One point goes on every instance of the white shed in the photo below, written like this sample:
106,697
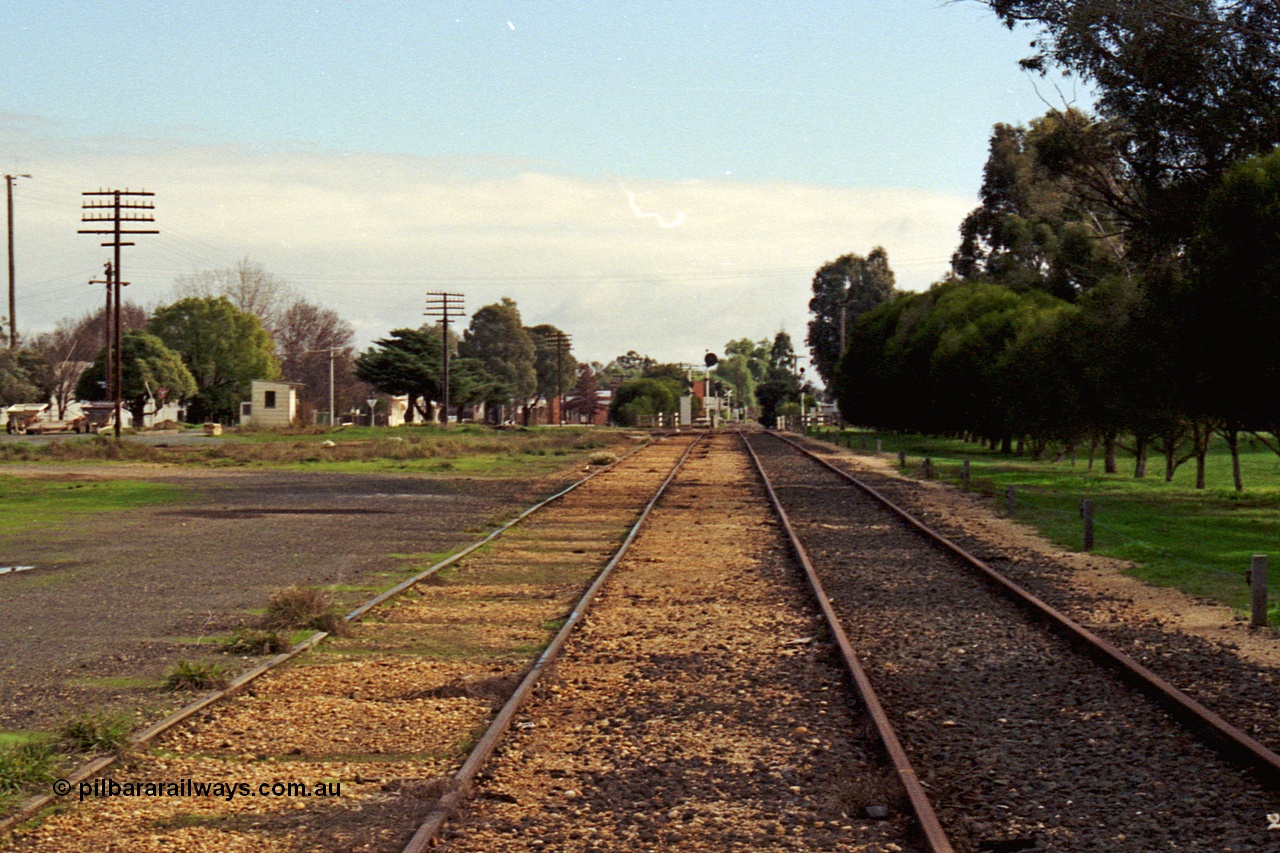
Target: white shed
272,404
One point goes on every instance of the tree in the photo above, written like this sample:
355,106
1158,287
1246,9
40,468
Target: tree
224,347
553,363
779,388
407,362
756,354
62,356
843,290
470,384
628,366
735,371
17,382
308,339
1031,231
248,286
584,397
63,353
782,355
641,398
499,340
1184,89
151,373
1234,296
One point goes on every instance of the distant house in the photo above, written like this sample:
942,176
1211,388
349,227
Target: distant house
271,404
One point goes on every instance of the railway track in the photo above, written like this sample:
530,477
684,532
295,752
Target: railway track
365,727
1022,739
703,706
702,703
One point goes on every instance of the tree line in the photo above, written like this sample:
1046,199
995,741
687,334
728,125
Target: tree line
223,329
1117,285
497,362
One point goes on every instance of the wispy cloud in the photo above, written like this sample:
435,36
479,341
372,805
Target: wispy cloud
369,235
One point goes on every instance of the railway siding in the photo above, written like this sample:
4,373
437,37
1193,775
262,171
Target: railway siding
1211,671
1021,740
383,714
699,708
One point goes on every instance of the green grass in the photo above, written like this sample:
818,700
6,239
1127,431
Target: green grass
467,450
116,682
96,732
27,503
27,764
195,675
1199,541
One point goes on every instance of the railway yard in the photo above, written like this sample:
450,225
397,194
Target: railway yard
648,662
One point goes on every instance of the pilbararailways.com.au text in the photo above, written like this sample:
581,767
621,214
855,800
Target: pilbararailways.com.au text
101,788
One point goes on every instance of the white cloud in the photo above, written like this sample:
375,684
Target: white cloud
369,235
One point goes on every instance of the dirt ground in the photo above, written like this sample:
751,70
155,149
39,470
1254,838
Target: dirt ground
116,599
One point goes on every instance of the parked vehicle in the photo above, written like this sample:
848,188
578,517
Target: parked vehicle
100,416
43,427
21,415
33,419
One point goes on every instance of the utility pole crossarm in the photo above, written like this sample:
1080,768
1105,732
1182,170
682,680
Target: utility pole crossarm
560,341
117,219
445,306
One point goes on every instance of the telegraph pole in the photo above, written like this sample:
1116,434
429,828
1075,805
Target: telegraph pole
445,306
560,341
120,211
13,308
107,375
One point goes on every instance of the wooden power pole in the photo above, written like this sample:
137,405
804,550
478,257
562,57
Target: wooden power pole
445,306
120,211
13,307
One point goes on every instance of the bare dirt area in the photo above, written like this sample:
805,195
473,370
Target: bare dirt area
379,717
699,708
115,599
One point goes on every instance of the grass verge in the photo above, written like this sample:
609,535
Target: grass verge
27,503
471,451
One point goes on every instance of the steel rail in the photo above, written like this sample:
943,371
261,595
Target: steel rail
1211,728
427,834
97,765
935,837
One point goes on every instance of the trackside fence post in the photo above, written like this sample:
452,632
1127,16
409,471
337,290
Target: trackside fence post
1086,513
1011,498
964,475
1258,588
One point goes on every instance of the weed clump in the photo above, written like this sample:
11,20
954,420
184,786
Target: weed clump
247,640
195,675
27,765
95,732
304,607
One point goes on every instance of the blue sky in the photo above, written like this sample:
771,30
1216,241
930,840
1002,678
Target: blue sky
651,176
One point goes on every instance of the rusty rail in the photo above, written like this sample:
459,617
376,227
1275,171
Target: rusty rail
926,818
95,766
426,836
1211,728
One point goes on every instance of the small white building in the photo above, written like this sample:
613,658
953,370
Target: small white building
271,404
